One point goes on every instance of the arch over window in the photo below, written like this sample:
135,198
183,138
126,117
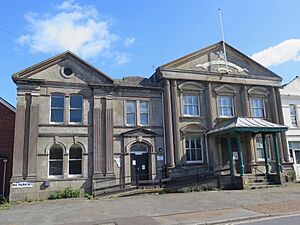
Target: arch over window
75,160
56,160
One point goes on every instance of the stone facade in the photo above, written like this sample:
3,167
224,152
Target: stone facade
151,127
291,108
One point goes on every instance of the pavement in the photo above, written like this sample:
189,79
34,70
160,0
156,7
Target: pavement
214,207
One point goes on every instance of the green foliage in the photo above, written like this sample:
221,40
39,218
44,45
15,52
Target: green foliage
291,176
205,187
66,193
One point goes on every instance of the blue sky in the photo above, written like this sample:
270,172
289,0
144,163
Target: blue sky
124,38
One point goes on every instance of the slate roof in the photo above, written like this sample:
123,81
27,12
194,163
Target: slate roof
247,124
7,104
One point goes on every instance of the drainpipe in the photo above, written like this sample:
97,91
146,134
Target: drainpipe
4,176
206,148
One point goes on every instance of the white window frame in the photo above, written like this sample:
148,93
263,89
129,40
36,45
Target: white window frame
76,109
135,113
54,160
183,105
263,107
232,106
293,116
140,113
70,160
50,114
190,138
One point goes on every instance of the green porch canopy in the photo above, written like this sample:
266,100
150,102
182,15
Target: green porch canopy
238,125
247,124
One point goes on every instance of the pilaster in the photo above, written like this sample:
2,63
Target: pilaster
98,169
109,137
175,116
18,155
168,122
33,137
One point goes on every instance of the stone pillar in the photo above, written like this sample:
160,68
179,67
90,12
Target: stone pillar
281,121
276,120
168,125
277,163
175,116
245,101
229,149
98,148
33,137
18,154
209,108
267,165
240,154
109,153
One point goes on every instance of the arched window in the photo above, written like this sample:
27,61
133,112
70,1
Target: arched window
56,161
138,148
75,160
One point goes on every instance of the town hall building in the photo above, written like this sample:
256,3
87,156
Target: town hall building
77,127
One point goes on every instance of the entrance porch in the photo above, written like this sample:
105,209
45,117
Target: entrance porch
243,174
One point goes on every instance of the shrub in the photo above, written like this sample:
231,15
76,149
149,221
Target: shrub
66,193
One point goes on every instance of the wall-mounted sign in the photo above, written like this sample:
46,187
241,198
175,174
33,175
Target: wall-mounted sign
133,162
21,185
160,158
235,155
143,167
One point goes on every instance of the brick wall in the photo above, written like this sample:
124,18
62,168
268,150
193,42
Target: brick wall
7,127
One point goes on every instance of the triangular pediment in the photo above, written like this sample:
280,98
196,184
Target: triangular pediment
64,68
139,132
212,60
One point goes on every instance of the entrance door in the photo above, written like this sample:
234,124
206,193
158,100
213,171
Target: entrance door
294,147
296,157
139,162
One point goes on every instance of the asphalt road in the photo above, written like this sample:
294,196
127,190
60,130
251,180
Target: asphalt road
282,220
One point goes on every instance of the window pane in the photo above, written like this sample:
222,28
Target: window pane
55,167
75,116
188,155
56,153
57,101
57,115
190,105
76,101
130,107
130,119
144,107
75,167
75,153
144,119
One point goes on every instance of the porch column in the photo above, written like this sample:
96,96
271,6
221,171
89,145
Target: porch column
240,153
229,149
277,165
168,123
175,116
266,154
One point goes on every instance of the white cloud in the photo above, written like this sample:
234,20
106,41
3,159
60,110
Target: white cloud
288,50
71,27
129,41
119,58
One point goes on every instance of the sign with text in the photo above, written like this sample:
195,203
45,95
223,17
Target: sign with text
21,185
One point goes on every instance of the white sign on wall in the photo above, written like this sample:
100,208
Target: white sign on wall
160,158
21,185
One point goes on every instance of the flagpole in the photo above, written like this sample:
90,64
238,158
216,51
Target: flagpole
223,39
